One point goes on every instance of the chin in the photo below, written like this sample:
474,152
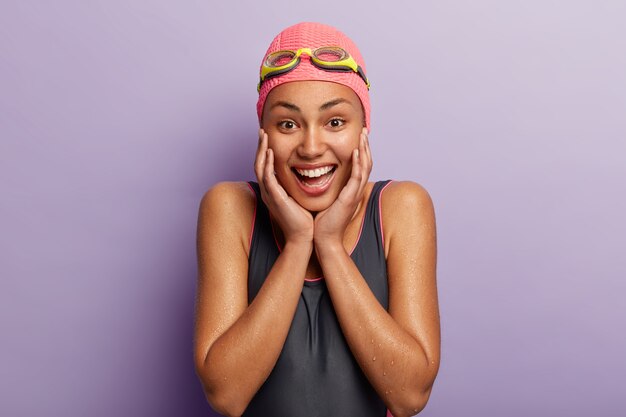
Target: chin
316,205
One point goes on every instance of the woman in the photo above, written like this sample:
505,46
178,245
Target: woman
317,292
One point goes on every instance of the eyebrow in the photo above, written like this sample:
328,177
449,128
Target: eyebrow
323,107
332,103
287,105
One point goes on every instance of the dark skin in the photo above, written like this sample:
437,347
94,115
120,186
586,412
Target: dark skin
316,124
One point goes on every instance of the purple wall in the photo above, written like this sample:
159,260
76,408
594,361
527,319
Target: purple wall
116,116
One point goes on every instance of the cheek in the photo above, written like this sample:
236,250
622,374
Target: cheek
281,152
271,141
347,145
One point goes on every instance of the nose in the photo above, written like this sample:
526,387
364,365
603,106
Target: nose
312,144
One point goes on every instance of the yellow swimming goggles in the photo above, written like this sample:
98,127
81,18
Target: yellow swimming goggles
328,58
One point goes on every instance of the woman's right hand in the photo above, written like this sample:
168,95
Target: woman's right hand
295,222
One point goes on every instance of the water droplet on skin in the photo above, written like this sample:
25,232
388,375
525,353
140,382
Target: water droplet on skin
374,358
379,344
403,389
415,410
372,341
391,363
384,373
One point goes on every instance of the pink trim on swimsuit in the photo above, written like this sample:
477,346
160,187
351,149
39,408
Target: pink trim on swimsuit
253,217
382,236
380,215
358,238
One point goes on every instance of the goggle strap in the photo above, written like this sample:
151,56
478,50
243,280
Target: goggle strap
338,68
359,71
334,68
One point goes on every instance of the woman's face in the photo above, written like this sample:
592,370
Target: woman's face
312,128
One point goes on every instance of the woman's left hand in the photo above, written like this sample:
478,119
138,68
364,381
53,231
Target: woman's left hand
331,223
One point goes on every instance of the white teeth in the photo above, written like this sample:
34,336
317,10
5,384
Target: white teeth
314,173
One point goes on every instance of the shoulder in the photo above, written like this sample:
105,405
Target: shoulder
227,195
407,194
405,207
226,209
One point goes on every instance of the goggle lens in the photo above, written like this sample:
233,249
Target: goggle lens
280,58
330,54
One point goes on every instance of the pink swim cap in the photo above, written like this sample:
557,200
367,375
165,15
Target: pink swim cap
315,35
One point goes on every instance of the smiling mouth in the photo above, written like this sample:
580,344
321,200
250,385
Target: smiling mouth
315,178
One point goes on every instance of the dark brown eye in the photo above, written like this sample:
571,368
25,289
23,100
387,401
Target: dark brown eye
336,123
287,124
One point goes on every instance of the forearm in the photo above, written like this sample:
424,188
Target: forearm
241,359
395,363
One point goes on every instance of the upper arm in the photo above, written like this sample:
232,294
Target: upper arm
411,246
224,226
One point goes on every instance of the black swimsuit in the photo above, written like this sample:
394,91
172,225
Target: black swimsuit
316,374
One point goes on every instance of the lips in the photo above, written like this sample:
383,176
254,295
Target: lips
314,180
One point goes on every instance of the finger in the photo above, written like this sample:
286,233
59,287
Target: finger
363,164
368,152
263,149
260,142
268,169
259,163
350,190
356,163
274,189
263,179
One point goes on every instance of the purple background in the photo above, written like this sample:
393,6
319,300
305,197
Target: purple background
116,116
